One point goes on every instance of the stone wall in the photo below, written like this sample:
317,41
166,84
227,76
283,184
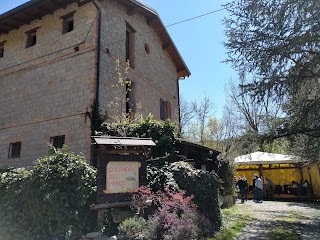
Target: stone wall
154,75
46,89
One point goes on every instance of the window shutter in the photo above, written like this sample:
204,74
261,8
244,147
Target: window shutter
168,110
162,109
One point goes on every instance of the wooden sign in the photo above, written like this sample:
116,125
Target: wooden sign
122,177
121,164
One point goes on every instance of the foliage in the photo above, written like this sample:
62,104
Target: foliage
161,132
253,122
121,90
159,175
52,200
175,217
197,123
110,228
204,186
277,44
133,226
225,171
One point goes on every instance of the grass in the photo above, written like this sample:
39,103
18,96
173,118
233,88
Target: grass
234,220
281,233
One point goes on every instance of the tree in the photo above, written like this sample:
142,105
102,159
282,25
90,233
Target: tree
202,111
199,125
249,125
186,114
277,43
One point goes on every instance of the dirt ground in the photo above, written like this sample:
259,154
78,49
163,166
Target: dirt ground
281,220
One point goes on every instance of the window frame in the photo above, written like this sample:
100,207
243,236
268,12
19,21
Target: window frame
31,37
14,150
130,45
66,20
165,110
59,138
2,49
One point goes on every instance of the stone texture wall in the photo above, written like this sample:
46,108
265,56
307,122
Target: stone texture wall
154,75
46,89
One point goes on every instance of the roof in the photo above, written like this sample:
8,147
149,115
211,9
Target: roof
266,158
30,11
36,9
104,140
196,145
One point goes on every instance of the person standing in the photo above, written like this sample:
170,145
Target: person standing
259,187
242,188
254,188
247,189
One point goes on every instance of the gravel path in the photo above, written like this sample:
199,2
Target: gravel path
302,219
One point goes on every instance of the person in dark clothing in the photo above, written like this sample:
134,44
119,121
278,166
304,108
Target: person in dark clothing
247,189
242,188
254,188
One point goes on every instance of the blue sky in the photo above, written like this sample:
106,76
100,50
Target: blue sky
199,42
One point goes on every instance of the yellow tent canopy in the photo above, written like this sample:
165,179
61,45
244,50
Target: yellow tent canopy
281,169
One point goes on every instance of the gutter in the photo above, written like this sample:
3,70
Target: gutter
96,100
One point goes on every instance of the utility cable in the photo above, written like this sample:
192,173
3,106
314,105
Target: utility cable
173,24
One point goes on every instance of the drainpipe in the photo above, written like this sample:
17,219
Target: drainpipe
178,85
95,107
96,101
179,105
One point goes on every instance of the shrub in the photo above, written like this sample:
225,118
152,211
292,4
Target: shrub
159,175
204,186
175,215
161,132
52,200
225,171
132,227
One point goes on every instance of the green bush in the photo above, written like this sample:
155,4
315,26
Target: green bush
52,200
132,227
161,132
225,171
159,175
204,186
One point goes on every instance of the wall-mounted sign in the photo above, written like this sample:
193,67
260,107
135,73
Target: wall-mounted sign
122,177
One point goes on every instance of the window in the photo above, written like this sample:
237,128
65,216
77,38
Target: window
165,109
31,37
1,49
147,48
14,150
130,45
57,141
67,22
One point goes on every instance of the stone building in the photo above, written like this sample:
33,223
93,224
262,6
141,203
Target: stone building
57,65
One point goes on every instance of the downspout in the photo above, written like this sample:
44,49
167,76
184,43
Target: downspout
95,107
96,101
178,85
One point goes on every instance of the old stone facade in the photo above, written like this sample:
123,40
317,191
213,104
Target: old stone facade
52,74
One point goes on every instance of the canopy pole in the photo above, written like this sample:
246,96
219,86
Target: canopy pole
260,170
301,174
